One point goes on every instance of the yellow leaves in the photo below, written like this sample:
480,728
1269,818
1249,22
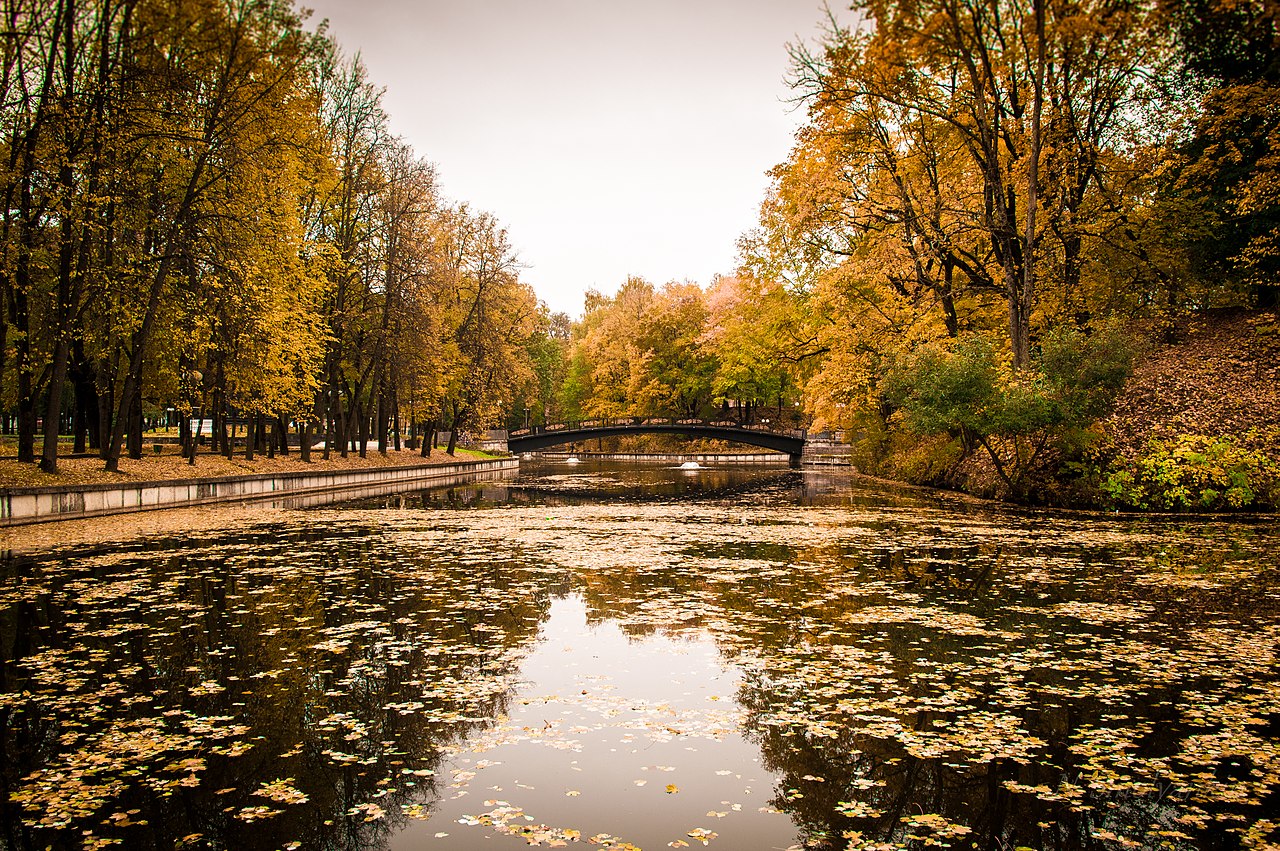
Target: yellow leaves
369,811
417,812
281,792
846,660
207,687
672,789
937,825
857,809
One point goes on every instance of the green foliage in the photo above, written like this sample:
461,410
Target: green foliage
1194,472
1083,372
965,388
928,460
947,388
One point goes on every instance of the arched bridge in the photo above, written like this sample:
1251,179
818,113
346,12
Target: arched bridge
554,434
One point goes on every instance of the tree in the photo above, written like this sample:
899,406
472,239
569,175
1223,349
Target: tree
213,88
975,132
1231,164
763,344
677,367
491,314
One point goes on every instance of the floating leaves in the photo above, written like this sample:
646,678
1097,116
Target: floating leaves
281,792
367,812
1114,680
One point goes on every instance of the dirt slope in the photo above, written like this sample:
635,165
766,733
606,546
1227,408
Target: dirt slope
1220,377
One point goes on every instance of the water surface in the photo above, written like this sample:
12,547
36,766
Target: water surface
647,657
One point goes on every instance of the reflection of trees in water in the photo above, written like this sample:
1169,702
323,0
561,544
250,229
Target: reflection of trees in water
910,662
933,689
176,686
594,482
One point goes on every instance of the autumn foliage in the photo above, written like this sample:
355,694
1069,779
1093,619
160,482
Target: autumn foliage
990,213
207,219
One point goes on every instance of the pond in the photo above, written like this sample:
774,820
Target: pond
743,657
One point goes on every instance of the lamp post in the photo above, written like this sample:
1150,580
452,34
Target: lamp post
194,379
526,417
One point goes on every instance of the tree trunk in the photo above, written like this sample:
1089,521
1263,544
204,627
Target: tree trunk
428,438
79,427
61,350
340,424
1020,314
86,399
26,382
134,420
106,403
329,434
133,376
453,429
195,436
364,429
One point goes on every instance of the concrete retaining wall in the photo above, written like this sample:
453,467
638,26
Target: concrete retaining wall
35,505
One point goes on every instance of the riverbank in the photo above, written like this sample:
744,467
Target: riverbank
1195,428
160,483
171,466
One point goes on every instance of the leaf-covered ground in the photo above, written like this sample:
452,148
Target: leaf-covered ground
737,669
1221,376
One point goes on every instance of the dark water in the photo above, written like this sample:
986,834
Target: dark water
645,657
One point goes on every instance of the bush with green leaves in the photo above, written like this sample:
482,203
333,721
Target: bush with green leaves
966,388
1194,472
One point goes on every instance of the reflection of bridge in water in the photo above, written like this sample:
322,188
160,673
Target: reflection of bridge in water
790,441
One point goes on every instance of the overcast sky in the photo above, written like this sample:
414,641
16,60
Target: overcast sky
612,137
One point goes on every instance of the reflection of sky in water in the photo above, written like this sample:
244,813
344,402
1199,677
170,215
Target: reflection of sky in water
601,725
893,669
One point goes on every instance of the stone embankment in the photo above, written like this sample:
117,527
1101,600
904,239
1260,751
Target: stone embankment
22,505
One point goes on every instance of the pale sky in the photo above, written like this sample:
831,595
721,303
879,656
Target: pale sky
612,138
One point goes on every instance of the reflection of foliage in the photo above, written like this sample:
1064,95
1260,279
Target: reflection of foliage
909,673
258,693
997,682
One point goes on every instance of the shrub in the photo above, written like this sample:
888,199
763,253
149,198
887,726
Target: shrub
1194,472
965,388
